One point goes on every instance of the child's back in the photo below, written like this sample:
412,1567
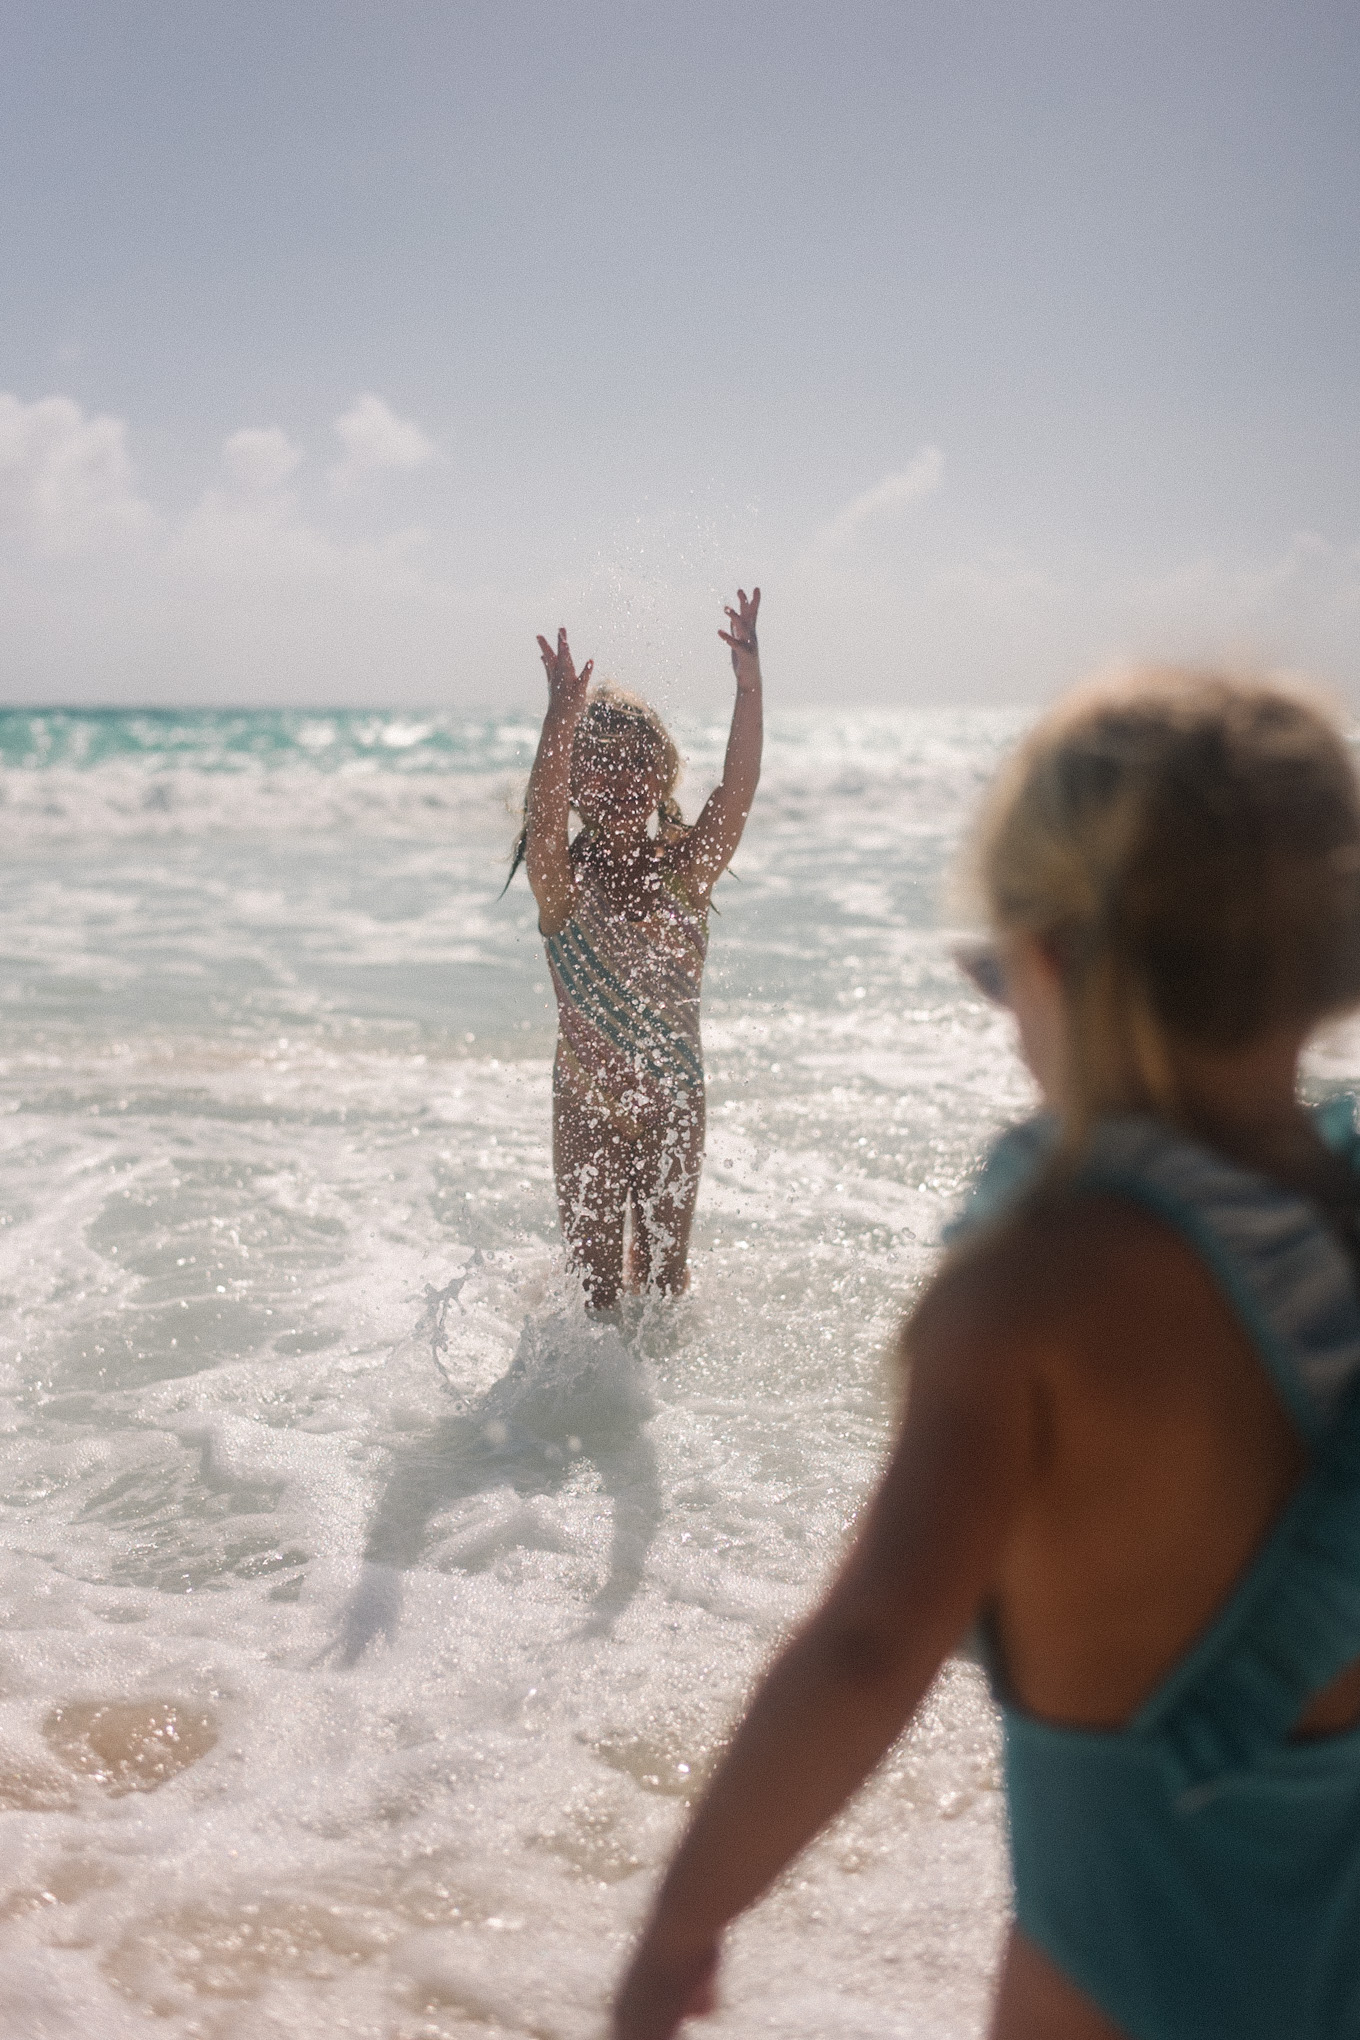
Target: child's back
1109,1353
1176,1612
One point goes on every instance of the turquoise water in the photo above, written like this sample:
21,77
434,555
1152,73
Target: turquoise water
369,1617
217,740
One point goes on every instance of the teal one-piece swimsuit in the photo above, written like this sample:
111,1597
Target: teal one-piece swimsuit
1197,1873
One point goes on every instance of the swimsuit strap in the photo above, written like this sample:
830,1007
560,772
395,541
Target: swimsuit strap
1287,1632
1294,1623
1287,1275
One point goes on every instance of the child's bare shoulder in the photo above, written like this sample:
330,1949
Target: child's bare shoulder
1051,1275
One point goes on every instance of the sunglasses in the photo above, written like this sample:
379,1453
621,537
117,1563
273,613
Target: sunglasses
980,963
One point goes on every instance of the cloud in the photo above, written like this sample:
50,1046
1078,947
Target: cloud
257,540
245,595
66,480
376,439
260,458
919,478
256,593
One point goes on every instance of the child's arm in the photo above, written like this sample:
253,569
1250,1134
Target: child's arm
710,845
840,1694
547,855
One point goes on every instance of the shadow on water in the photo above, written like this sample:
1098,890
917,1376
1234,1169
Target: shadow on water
575,1391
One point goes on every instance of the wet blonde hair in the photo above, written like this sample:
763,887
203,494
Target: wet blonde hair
612,715
1188,846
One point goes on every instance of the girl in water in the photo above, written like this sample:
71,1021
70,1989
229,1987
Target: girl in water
1131,1446
623,909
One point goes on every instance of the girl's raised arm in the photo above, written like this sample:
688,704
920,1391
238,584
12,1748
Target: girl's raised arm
548,806
709,847
842,1691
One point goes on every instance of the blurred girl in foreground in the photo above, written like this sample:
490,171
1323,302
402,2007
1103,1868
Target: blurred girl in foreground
1131,1447
623,909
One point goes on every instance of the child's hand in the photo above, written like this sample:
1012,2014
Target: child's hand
566,687
742,638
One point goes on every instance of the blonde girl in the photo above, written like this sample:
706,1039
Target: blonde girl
623,910
1131,1446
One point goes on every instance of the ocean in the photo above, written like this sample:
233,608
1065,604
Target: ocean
370,1618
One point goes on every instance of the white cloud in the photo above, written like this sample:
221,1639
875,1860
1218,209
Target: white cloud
260,458
243,596
252,595
66,480
376,439
919,478
254,541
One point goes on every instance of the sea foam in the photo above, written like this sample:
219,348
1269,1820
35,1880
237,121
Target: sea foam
371,1618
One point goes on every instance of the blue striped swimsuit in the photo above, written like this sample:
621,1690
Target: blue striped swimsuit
628,990
1196,1873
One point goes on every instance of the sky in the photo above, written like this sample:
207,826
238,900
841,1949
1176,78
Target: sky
345,347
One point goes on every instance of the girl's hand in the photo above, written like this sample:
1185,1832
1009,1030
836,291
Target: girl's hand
742,638
705,853
566,687
657,1996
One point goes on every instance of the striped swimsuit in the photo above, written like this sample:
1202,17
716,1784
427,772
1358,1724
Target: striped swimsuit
628,1006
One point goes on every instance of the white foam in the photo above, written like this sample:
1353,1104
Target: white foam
467,1647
